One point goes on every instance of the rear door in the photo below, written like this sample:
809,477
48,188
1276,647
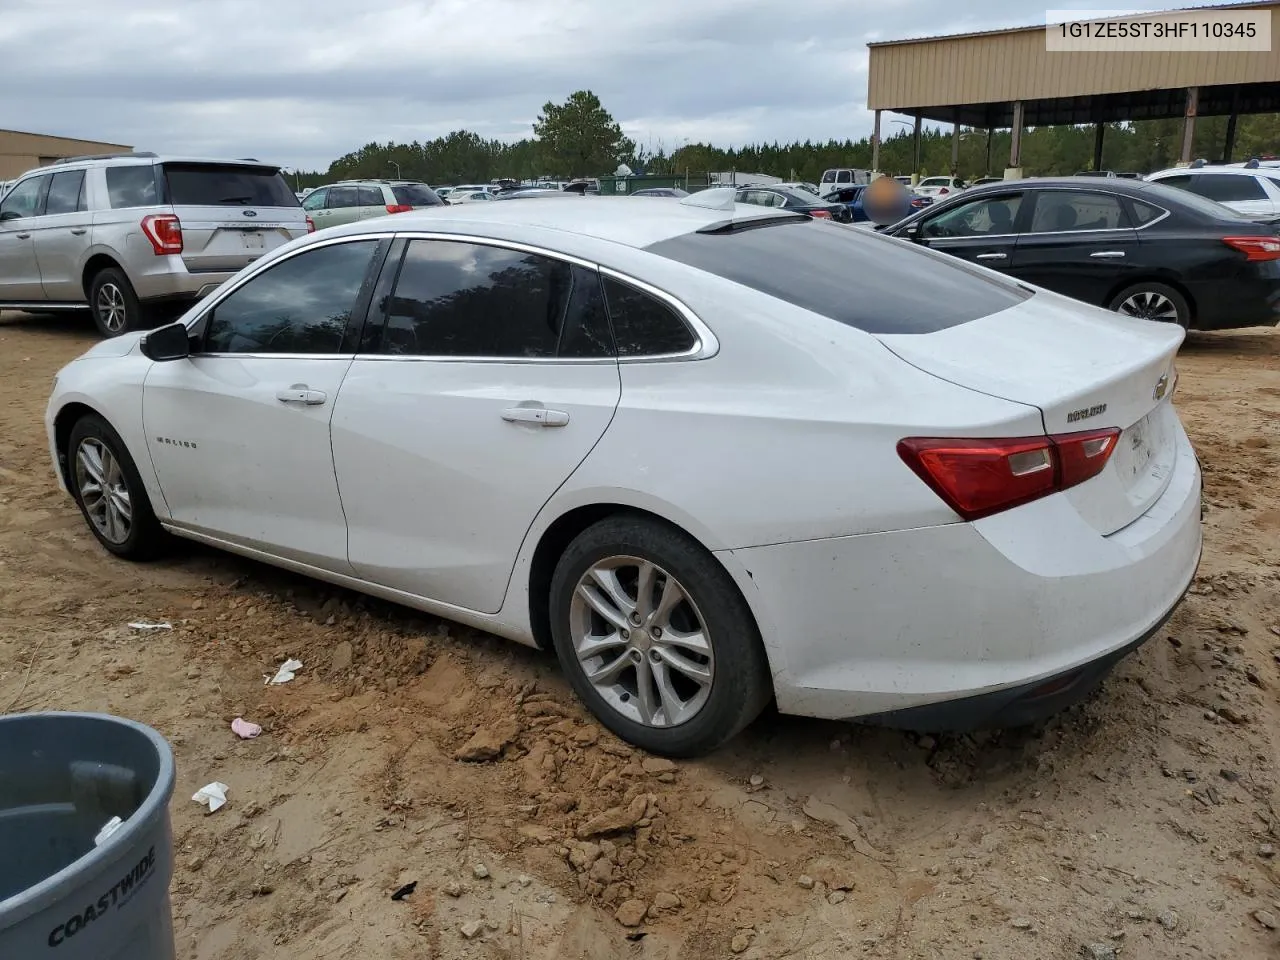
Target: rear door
372,202
983,230
1079,243
62,237
488,376
231,213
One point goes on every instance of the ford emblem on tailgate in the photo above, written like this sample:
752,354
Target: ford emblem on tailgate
1162,385
249,213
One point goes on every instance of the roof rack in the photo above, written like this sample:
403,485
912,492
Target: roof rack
105,156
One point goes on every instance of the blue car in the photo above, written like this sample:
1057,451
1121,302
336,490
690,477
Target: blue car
852,198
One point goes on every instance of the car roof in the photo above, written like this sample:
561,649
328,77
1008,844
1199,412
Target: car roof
631,221
1215,168
143,159
1093,184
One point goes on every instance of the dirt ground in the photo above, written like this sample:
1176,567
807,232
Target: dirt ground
1143,821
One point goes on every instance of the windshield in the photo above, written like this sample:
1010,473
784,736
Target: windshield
229,185
851,276
415,195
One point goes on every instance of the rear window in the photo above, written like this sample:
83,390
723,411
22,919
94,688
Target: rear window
416,195
226,185
852,276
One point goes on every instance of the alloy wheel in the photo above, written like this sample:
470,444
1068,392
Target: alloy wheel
103,490
641,641
1149,305
111,307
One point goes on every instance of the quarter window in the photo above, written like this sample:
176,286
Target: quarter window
459,299
1070,211
300,305
66,193
131,186
643,325
1144,213
24,200
987,217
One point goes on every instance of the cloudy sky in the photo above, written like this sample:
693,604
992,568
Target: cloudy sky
300,82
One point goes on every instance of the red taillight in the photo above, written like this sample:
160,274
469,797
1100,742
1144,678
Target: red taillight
399,208
311,225
977,478
1255,248
164,230
820,214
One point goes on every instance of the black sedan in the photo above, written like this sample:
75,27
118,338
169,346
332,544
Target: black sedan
799,201
1143,249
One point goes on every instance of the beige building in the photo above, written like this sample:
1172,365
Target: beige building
20,152
1010,79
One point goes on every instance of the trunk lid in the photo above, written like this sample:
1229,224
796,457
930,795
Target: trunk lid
231,213
1085,369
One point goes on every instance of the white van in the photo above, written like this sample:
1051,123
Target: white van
840,178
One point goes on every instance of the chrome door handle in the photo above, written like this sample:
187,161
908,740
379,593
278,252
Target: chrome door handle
992,256
301,393
1107,254
79,231
540,415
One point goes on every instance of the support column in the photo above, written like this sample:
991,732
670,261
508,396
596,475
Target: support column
875,147
1099,131
987,171
1015,144
915,170
1230,146
1189,124
955,145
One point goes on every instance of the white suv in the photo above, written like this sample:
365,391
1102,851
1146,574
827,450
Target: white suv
127,235
1252,191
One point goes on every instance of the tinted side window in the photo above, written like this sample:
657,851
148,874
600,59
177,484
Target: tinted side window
844,176
644,326
1068,211
133,186
24,200
301,305
1180,180
66,193
343,197
901,288
1225,187
987,217
457,299
416,195
315,199
370,196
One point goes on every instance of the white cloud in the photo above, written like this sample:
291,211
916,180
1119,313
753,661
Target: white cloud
300,82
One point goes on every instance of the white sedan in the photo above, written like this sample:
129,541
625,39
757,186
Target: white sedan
713,455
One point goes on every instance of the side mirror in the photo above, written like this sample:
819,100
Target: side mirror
913,232
170,342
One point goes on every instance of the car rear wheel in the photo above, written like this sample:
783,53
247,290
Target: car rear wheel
115,306
1153,301
655,637
109,490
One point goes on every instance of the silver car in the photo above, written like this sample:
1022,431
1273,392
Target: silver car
130,237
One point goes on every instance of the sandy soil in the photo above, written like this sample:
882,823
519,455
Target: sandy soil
1142,820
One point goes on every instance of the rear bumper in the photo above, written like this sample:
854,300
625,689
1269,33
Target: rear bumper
1247,301
986,615
177,284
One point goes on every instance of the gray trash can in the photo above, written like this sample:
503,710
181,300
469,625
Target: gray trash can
63,776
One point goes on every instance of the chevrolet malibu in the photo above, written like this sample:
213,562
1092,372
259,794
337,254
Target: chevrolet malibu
663,439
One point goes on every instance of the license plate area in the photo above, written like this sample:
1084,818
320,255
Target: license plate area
252,240
1137,447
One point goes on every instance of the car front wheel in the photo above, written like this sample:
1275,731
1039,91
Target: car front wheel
109,490
655,637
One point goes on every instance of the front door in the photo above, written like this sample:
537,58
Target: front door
19,216
983,230
62,238
239,432
489,378
1078,243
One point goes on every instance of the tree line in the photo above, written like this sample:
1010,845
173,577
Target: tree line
580,138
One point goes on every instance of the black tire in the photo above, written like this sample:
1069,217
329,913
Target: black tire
145,538
1156,295
740,685
115,307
